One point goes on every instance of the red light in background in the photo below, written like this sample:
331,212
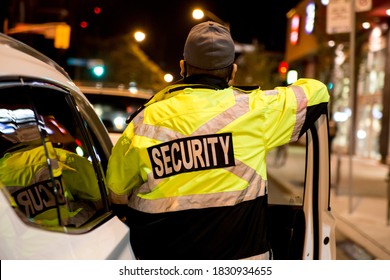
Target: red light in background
78,142
283,67
97,10
83,24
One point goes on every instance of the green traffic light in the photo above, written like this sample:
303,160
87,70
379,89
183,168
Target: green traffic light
98,70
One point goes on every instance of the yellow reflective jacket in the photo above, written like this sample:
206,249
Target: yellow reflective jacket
193,147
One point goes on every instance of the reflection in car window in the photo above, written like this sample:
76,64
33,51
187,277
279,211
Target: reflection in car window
286,178
47,164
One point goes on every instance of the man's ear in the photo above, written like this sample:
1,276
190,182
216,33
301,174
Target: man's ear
183,68
233,74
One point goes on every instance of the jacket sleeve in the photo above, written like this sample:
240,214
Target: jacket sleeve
293,109
123,168
318,97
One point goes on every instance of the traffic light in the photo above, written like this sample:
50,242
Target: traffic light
83,24
62,36
97,10
98,70
96,66
283,68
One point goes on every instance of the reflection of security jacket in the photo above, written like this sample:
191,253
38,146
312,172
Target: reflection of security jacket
192,167
26,174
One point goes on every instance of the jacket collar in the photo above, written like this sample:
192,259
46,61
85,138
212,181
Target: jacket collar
194,81
207,80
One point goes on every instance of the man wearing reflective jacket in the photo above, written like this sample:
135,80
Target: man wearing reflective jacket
191,165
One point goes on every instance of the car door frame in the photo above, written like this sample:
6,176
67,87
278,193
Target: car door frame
304,228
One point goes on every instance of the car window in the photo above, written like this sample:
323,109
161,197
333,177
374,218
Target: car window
49,165
113,110
286,173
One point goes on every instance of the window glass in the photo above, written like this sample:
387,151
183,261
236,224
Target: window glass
48,165
286,173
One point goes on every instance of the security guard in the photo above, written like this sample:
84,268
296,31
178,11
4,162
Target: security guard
191,165
42,179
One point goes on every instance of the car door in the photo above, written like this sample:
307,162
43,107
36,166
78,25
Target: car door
53,199
301,221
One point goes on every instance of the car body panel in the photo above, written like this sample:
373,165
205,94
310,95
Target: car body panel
320,230
21,241
17,63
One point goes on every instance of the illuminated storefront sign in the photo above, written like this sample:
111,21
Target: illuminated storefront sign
294,34
310,16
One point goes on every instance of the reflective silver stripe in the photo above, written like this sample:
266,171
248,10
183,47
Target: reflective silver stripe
119,198
54,163
159,133
139,118
257,186
86,211
149,184
301,111
240,108
271,92
217,123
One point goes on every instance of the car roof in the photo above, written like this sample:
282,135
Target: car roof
19,59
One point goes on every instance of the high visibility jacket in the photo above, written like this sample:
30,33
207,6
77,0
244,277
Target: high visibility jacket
26,176
192,166
194,147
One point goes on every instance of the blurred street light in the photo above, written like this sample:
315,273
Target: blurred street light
139,36
168,77
200,13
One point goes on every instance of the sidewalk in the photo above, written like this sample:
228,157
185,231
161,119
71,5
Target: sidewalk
359,202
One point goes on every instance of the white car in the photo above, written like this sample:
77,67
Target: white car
53,155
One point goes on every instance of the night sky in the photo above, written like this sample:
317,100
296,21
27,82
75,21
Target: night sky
167,23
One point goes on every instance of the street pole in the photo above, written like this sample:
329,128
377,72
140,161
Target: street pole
388,197
352,40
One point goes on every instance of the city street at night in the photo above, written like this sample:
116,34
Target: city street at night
195,130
